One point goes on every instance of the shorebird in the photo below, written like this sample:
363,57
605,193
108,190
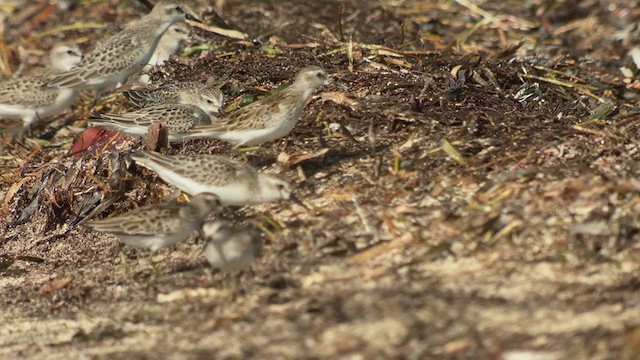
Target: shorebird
169,44
25,98
230,248
234,182
113,60
207,97
178,118
267,119
159,225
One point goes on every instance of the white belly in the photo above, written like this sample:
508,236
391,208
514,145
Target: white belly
234,195
257,137
66,98
16,111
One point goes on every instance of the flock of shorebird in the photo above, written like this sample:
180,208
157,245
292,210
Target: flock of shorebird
187,110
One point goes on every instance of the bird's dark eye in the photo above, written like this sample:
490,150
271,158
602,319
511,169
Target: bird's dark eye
70,52
179,10
209,102
320,74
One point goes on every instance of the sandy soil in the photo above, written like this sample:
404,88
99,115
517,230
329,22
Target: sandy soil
472,174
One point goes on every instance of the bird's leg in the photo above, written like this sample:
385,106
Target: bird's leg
231,281
210,271
16,132
157,274
37,119
244,150
19,132
236,287
96,99
294,198
123,261
225,280
227,277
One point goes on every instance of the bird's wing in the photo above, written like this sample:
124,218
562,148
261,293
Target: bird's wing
123,51
250,117
147,220
27,90
153,96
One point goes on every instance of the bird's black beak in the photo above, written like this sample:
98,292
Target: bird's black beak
196,38
328,81
190,16
293,197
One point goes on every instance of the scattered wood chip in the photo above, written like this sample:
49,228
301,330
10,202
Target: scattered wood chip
66,28
43,17
345,131
631,185
492,78
376,66
301,175
287,161
595,132
405,209
55,285
475,76
69,176
627,73
15,187
602,111
189,294
452,152
388,52
381,249
457,347
591,228
301,46
508,52
454,71
350,53
234,34
31,259
5,264
157,137
397,62
534,355
340,98
411,144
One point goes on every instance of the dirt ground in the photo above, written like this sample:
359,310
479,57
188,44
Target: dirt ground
471,173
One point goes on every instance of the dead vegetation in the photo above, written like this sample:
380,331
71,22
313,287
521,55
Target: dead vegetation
472,174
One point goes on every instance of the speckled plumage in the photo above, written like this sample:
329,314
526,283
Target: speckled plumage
25,98
234,182
208,98
267,119
113,60
159,225
169,43
230,248
178,119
